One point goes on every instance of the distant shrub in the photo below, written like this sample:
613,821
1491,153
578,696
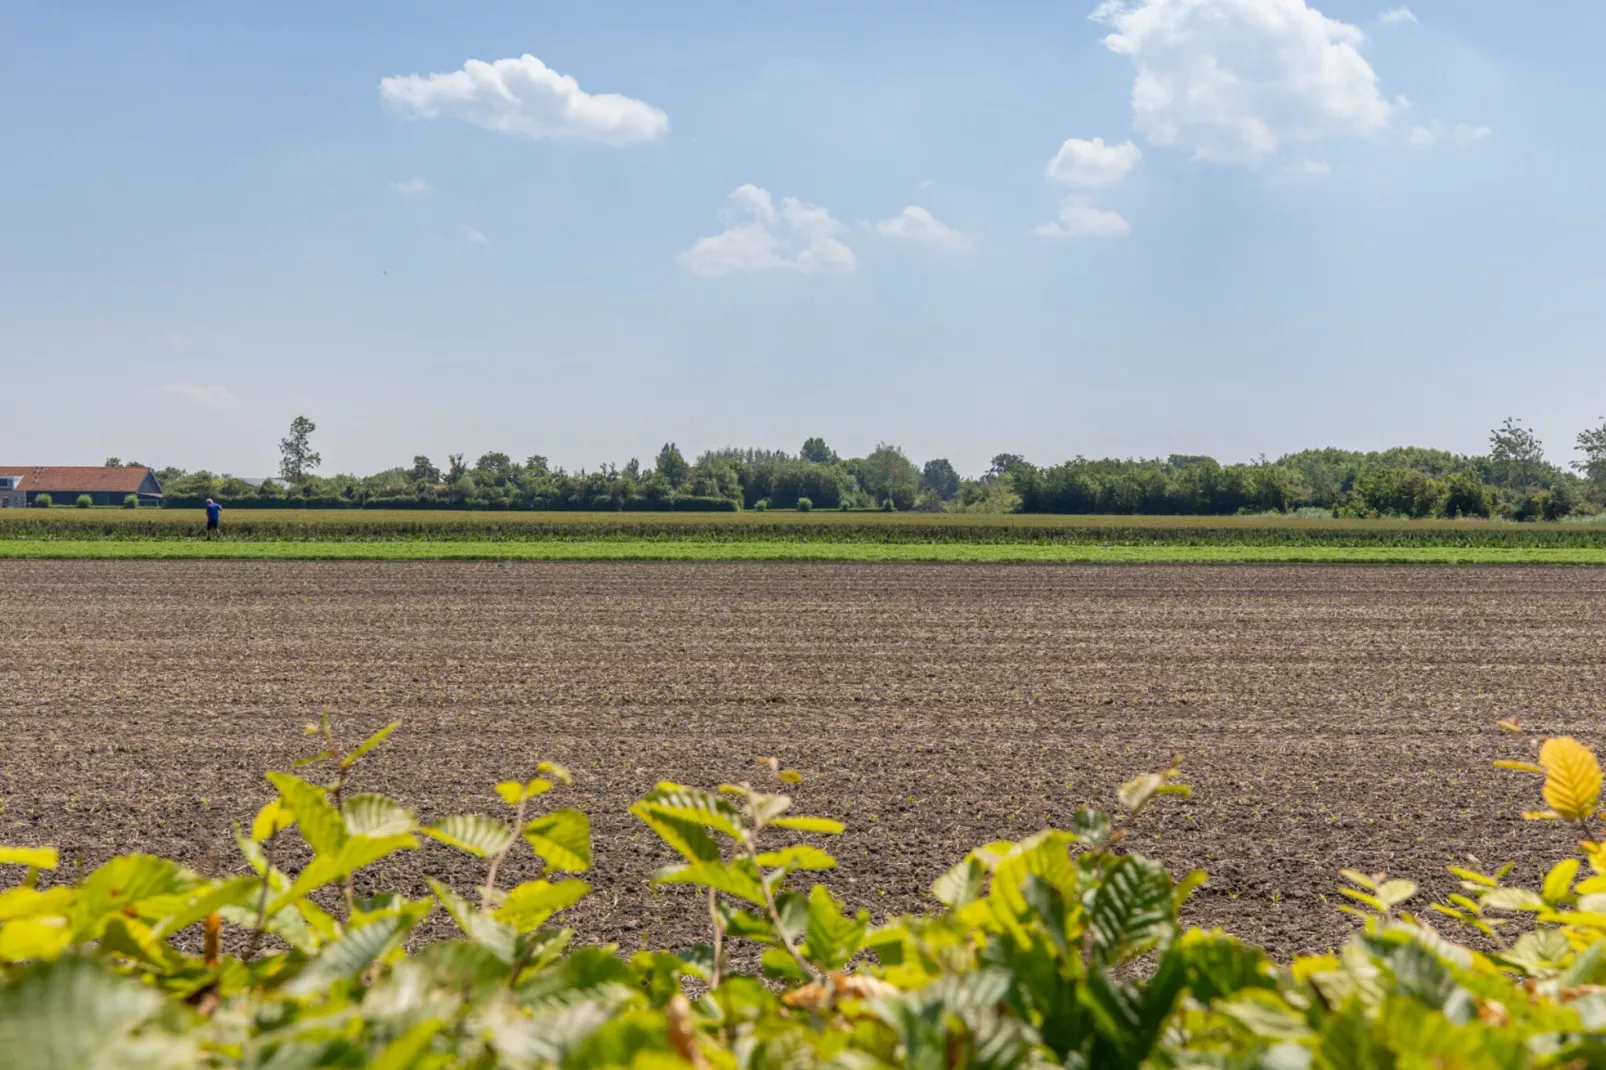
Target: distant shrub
84,501
804,505
844,506
761,506
888,507
131,501
43,501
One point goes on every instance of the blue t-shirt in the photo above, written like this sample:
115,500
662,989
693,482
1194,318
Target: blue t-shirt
212,511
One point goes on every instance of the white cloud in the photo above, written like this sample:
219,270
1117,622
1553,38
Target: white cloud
1309,169
413,187
201,395
1438,133
1078,219
524,97
761,237
1394,16
1093,164
916,224
474,237
1233,81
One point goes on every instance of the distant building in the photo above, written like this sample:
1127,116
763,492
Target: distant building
105,486
12,496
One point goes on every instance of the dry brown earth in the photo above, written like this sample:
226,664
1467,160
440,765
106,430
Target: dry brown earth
1329,716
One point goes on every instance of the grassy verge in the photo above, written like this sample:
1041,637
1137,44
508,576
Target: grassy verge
755,550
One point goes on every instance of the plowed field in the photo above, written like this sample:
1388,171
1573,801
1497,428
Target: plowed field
1329,716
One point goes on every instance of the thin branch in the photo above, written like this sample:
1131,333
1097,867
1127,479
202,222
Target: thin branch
751,843
496,859
258,930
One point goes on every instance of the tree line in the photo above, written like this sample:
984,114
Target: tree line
1514,479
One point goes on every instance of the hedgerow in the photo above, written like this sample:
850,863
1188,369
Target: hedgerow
1064,948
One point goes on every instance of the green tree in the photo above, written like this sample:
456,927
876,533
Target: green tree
296,456
423,471
493,469
113,462
1516,454
672,464
890,476
817,452
939,477
1003,466
456,469
1592,444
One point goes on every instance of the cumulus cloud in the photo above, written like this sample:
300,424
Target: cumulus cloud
1078,219
201,395
1395,16
1459,135
918,225
761,237
526,98
474,237
413,187
1093,164
1233,81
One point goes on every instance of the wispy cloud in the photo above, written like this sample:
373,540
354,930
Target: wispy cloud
201,395
413,187
1396,16
474,237
1439,133
1078,219
761,236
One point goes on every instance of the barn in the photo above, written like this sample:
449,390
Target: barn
105,486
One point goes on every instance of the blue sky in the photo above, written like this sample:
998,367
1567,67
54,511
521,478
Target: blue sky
746,224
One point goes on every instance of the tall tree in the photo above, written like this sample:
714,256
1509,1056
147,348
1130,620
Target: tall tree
1592,444
423,471
815,450
1516,453
296,456
939,477
672,465
889,475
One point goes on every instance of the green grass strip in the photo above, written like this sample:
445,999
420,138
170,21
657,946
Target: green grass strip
697,550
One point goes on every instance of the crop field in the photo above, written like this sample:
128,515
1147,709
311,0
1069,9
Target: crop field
1328,716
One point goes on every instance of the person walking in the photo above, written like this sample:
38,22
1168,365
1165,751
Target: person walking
214,516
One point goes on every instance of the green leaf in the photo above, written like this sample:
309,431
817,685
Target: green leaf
476,834
832,938
25,902
1512,899
809,824
321,824
689,838
1131,909
734,878
563,838
210,901
1559,881
961,884
126,882
530,904
1395,892
514,792
368,744
34,939
348,956
273,818
358,852
495,936
375,815
801,856
402,1053
76,1013
699,807
35,857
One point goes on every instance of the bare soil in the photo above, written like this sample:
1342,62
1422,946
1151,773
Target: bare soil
1329,716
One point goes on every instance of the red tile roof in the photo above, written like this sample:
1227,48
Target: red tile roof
59,480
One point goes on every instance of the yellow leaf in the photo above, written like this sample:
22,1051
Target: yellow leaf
270,820
1540,815
34,938
36,857
1521,767
1572,778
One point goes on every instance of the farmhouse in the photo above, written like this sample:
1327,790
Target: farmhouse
105,486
